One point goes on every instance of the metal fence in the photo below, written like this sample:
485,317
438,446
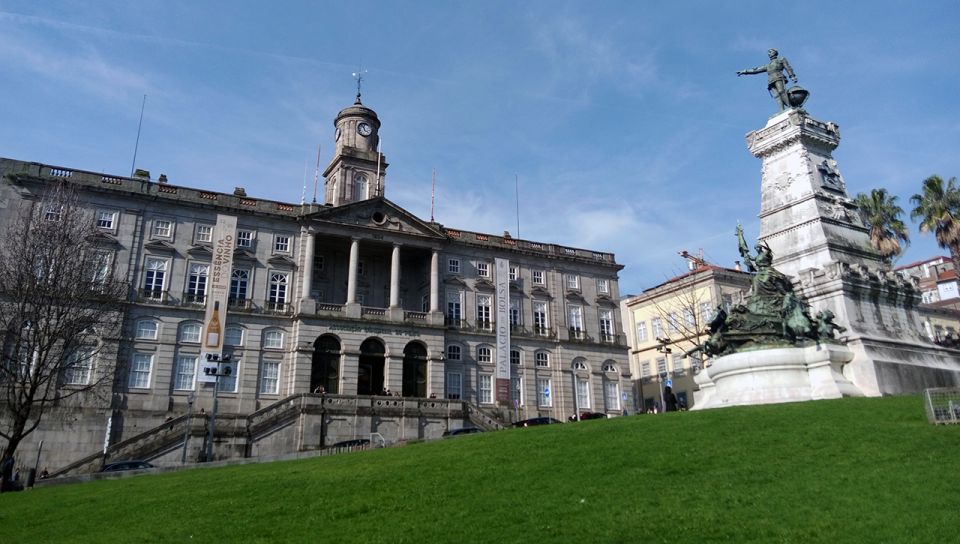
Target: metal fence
942,404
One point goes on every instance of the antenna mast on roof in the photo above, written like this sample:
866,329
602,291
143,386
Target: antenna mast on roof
316,175
516,189
133,167
433,194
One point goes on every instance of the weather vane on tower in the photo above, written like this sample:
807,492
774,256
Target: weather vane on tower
358,75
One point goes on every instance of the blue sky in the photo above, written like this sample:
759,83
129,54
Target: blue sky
623,121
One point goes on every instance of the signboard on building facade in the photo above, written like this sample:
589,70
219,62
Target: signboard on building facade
502,321
217,296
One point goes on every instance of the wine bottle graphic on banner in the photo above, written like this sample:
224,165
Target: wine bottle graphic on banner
213,327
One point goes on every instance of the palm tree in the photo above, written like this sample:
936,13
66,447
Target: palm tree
938,209
881,214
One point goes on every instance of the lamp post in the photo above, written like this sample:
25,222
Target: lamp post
222,369
662,347
186,432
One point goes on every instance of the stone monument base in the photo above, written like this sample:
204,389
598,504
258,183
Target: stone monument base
770,376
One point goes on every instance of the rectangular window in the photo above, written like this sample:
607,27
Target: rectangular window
454,384
603,286
645,370
140,369
277,295
204,234
281,243
516,319
606,325
244,238
611,395
661,365
583,393
673,322
102,262
162,228
483,270
146,329
572,280
706,311
657,324
542,359
453,266
273,340
514,273
53,213
677,363
537,277
575,319
361,270
106,220
486,389
484,355
79,367
484,303
239,281
197,283
270,379
233,336
514,357
453,307
689,320
516,390
186,373
228,384
540,317
641,332
153,277
544,392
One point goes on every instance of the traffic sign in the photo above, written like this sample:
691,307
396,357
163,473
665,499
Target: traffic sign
668,383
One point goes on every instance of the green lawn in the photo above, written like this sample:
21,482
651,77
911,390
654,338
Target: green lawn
851,470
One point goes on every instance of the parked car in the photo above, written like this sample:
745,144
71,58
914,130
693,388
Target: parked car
126,465
589,415
533,422
464,430
355,443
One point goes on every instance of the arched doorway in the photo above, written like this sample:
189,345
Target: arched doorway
325,371
414,370
370,368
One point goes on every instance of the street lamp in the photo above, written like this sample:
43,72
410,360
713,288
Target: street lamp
222,369
663,347
186,432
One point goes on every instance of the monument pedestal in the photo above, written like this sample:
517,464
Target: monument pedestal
817,238
776,375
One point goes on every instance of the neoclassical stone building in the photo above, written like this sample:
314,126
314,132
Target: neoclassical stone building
330,306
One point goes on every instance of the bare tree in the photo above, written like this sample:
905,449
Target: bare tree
685,313
60,312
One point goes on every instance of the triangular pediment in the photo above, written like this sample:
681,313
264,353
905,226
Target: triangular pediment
200,251
103,239
160,245
540,291
455,280
282,260
378,214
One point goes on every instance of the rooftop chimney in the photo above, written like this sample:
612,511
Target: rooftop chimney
239,191
163,179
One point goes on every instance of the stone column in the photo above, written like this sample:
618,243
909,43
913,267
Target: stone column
307,304
351,309
435,281
395,277
435,317
352,271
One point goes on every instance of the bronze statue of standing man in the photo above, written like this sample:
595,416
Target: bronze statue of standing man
776,81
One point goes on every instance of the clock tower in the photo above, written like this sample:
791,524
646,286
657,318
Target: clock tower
357,169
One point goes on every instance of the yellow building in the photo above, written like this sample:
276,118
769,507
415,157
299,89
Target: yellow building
664,327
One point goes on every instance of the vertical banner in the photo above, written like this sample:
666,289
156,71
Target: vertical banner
502,321
218,293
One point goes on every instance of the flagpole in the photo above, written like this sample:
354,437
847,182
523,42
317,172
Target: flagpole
516,189
433,194
379,185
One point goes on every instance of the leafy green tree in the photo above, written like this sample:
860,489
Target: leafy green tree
938,209
881,214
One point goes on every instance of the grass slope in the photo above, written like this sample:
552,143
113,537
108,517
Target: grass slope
851,470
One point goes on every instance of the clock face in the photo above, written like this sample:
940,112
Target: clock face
364,129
